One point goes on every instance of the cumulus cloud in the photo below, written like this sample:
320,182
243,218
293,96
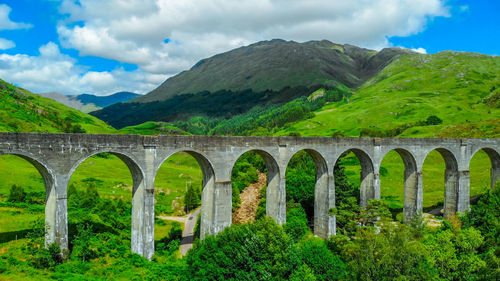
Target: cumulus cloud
53,71
135,31
164,37
419,50
6,23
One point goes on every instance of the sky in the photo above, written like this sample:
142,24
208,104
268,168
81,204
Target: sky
102,47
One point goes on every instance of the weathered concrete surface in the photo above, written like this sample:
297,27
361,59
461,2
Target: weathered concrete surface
56,156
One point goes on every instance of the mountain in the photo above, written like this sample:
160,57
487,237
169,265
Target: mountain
23,111
268,72
87,103
103,101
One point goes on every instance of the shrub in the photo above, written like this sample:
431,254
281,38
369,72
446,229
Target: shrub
16,194
324,264
296,221
46,258
259,251
433,120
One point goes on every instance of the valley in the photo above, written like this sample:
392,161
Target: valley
390,93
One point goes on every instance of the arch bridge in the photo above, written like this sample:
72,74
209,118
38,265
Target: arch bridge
56,156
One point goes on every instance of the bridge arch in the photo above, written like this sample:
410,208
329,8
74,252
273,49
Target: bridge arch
129,160
494,157
51,212
138,194
275,203
451,181
40,165
208,189
324,194
368,189
411,201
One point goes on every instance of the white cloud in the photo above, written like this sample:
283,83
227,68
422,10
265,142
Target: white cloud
6,23
135,31
6,44
53,71
419,50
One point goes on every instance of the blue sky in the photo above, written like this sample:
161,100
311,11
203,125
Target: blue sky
100,47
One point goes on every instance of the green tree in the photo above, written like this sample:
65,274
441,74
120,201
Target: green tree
16,194
392,253
296,221
258,251
454,253
191,199
324,264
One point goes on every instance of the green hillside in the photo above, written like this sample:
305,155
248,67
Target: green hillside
153,128
23,111
461,89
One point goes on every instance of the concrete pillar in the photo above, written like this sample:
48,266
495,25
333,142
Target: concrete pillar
463,192
451,180
276,196
413,193
207,206
222,206
367,188
137,237
324,199
495,176
275,191
56,211
376,186
142,238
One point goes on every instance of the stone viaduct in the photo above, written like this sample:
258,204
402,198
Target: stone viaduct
56,156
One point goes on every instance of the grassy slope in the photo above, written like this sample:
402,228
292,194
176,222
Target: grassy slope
23,111
450,85
114,178
153,128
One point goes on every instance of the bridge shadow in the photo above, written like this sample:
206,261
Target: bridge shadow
15,235
187,240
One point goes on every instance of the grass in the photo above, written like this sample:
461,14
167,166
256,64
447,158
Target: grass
457,87
112,179
392,177
23,111
153,128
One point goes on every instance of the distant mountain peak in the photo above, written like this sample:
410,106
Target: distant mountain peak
88,102
275,64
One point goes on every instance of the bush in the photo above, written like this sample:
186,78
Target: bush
296,221
324,264
16,194
393,253
433,120
47,258
259,251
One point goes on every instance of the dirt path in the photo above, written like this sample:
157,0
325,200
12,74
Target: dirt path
250,198
177,219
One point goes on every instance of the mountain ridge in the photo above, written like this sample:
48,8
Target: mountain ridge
265,65
87,102
261,74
